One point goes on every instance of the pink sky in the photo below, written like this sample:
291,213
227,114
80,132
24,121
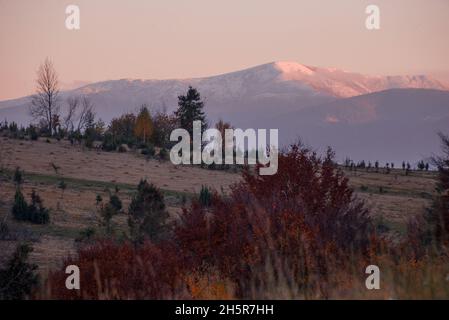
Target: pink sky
162,39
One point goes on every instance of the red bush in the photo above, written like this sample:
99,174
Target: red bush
122,271
305,215
304,220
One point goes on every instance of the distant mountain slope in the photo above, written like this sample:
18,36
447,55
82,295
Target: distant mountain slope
391,125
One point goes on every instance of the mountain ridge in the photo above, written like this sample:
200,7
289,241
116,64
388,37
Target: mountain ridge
296,72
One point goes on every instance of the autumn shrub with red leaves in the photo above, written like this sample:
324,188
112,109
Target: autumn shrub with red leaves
304,220
111,270
305,217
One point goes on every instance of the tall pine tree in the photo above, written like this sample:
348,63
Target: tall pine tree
190,108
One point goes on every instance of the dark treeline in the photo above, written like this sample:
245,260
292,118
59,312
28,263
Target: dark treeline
375,166
144,130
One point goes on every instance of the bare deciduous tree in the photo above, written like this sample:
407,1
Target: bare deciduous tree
72,103
83,119
44,104
87,115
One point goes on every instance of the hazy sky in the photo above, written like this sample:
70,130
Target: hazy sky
189,38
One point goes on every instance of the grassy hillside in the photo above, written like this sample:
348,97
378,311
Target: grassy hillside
392,198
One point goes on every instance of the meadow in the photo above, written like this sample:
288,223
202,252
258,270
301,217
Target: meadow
392,200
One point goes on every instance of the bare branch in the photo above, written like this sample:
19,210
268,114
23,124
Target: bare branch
73,103
87,113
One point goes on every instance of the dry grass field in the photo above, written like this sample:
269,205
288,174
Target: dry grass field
395,197
392,198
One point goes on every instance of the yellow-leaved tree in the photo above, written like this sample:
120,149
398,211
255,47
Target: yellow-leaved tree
143,128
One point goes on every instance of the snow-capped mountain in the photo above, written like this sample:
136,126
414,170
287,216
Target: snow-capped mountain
284,78
293,97
340,83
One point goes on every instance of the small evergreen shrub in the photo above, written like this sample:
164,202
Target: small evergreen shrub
205,197
148,151
381,226
98,199
109,143
163,154
18,279
35,212
20,207
32,132
18,176
62,185
86,235
115,202
142,145
89,137
4,230
147,213
107,212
